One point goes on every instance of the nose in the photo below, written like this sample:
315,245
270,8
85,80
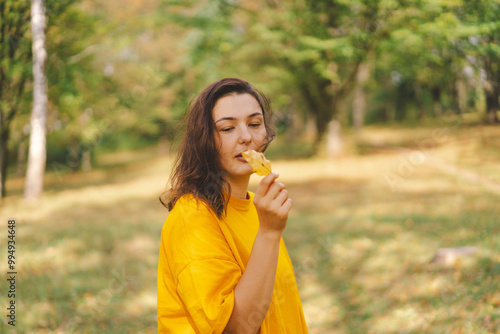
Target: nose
244,136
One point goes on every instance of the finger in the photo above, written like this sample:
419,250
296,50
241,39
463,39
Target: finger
284,210
265,183
274,190
287,205
282,197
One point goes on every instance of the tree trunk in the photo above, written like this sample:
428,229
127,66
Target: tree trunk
492,90
492,108
454,98
37,150
321,128
401,101
4,153
460,96
329,139
14,24
334,141
164,142
73,157
389,113
310,129
86,161
492,103
436,99
21,157
419,101
359,102
320,105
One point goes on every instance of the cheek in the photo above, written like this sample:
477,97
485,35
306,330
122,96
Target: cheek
262,135
217,141
223,144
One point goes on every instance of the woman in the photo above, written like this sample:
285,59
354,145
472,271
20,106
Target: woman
223,266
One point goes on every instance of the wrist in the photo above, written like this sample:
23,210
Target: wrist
270,234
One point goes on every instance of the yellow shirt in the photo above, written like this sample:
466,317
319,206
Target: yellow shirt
201,260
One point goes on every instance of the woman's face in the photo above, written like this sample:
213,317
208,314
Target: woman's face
239,124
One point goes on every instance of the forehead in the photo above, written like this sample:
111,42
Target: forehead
236,106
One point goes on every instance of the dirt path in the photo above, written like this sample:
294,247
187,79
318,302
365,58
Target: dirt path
468,175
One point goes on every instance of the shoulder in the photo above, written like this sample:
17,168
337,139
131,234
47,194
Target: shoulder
191,216
192,230
189,206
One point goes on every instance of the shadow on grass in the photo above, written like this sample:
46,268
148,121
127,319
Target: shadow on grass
373,260
360,256
91,269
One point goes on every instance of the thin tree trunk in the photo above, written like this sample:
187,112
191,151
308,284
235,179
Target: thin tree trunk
37,150
436,99
310,128
359,102
492,102
492,90
86,161
454,98
164,142
334,143
461,95
13,27
73,157
419,102
21,157
389,105
4,127
4,153
492,108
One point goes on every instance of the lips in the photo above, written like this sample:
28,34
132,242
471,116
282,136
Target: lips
240,157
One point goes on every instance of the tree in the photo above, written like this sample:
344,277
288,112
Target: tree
15,71
481,33
313,48
78,89
37,149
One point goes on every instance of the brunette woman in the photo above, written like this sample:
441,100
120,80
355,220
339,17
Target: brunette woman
223,265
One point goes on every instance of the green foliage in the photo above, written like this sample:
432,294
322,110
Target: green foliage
75,85
15,71
15,57
127,73
312,50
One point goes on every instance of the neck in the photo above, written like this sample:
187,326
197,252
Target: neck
239,186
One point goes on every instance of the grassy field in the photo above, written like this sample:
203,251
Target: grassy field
362,233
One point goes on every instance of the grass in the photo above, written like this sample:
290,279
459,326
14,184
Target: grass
361,245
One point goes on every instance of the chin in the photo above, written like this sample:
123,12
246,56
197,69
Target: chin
240,173
243,174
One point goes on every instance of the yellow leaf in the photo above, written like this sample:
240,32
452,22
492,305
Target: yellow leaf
258,162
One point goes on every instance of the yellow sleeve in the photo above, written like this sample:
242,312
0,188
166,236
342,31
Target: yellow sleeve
203,267
207,289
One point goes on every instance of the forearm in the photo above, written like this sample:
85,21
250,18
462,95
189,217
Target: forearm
253,292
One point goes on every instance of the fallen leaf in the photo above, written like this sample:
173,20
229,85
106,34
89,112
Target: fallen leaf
258,162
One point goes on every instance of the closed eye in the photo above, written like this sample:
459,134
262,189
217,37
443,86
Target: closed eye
255,125
226,129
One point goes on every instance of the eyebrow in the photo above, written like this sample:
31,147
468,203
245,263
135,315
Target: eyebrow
232,118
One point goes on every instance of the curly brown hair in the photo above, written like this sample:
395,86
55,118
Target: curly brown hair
197,169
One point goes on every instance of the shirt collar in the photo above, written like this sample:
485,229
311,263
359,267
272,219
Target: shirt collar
241,204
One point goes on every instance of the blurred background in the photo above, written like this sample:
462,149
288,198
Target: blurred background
387,113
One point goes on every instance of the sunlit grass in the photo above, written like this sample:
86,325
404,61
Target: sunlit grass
362,250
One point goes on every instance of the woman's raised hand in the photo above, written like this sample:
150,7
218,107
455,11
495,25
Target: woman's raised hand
272,204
